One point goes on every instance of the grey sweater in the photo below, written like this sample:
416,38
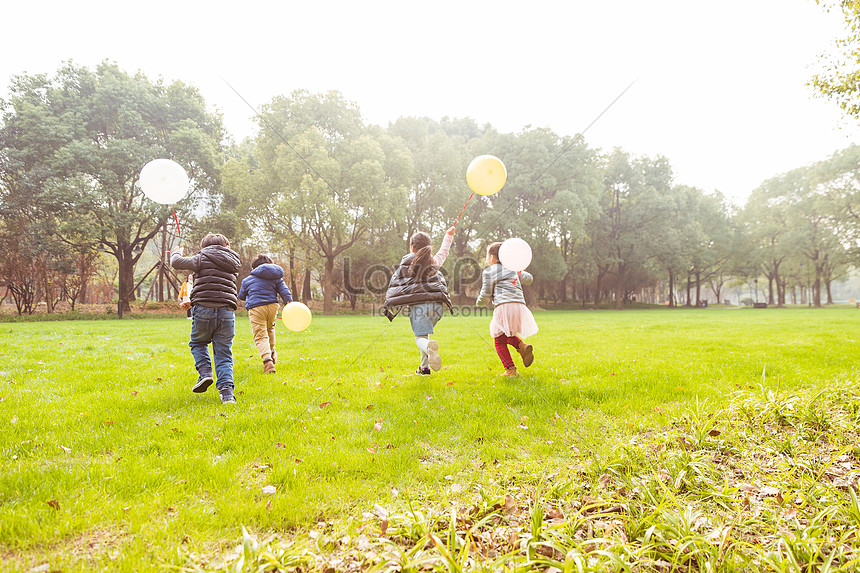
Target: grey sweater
498,286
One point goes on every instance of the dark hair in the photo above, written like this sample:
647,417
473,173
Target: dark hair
422,263
214,239
493,250
260,260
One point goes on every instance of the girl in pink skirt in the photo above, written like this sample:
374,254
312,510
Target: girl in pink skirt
512,319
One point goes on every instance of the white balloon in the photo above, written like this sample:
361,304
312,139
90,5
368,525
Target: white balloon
515,254
164,181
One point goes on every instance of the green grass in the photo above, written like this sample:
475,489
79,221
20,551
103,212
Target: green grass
108,460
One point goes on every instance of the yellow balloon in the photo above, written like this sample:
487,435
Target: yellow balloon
486,175
296,316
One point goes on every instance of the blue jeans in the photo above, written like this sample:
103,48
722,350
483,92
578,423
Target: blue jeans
215,326
424,316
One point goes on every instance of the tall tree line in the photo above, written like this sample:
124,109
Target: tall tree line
336,199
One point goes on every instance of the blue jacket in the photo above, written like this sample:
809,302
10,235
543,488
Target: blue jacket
263,286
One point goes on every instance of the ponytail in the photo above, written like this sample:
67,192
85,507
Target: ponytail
422,264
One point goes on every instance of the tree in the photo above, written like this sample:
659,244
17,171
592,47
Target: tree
840,78
324,178
75,144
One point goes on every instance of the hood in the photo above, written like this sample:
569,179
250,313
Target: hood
224,258
268,271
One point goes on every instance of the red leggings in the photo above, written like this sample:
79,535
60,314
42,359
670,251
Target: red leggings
502,342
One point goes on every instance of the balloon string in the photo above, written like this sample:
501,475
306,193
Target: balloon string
518,277
463,209
178,232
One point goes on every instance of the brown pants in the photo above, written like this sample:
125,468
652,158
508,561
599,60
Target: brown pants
263,328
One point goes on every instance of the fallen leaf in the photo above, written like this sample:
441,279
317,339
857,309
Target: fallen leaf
604,479
270,489
65,449
371,450
55,504
108,422
746,487
324,404
714,433
369,407
769,490
378,425
269,505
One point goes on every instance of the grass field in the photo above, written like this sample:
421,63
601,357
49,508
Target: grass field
107,460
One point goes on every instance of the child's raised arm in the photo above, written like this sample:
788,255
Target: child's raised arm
442,253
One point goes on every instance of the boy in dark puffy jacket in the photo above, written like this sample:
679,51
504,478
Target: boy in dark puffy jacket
260,292
213,305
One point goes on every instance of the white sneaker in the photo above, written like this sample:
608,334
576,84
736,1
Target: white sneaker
433,351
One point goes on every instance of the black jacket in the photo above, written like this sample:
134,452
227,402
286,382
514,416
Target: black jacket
406,290
216,276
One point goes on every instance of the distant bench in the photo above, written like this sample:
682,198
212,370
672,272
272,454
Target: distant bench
760,305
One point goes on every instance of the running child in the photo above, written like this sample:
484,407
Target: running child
213,306
418,285
512,319
260,292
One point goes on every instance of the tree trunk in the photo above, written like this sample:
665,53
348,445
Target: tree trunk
306,286
829,295
816,292
671,289
698,287
328,286
597,290
689,289
127,270
295,292
619,287
82,294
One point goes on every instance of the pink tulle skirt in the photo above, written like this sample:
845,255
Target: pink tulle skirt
513,319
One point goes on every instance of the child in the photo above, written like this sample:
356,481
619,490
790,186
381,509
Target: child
185,295
260,292
214,302
418,285
512,319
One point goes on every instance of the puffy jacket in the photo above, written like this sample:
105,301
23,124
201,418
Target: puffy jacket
500,285
216,276
263,286
405,289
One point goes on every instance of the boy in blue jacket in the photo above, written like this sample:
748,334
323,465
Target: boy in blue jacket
260,292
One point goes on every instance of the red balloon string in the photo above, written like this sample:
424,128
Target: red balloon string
463,209
518,277
178,232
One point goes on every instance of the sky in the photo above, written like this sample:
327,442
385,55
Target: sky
719,88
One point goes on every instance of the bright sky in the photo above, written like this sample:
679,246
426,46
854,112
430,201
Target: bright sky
720,86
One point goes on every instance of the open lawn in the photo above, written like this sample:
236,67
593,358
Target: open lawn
108,461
